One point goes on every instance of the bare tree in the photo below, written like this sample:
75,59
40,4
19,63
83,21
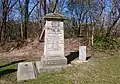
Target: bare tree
6,8
115,7
26,14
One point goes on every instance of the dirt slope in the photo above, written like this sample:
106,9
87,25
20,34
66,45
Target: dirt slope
35,49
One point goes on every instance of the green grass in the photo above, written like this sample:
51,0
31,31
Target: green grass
99,70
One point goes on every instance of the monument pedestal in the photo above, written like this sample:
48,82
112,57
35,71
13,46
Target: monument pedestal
51,63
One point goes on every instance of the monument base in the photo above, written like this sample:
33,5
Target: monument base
51,63
78,61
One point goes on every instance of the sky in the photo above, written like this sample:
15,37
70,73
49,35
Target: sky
16,15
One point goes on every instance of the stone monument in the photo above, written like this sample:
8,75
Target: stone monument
54,44
82,53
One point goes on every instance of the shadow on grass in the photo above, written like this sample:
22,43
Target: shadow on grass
11,63
87,58
73,55
7,71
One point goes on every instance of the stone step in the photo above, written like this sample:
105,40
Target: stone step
54,61
42,68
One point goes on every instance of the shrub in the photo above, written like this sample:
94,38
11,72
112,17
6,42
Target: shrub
104,43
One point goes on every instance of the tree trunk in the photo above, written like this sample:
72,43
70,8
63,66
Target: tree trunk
26,19
110,28
21,30
92,38
3,36
45,7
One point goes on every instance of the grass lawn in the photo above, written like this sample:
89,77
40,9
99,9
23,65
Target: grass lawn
99,70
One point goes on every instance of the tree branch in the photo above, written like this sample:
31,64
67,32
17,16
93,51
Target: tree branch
2,1
55,6
12,5
33,8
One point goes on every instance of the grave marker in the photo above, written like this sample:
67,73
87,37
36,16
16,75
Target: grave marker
82,53
54,44
25,71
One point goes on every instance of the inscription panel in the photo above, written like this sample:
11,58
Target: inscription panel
54,38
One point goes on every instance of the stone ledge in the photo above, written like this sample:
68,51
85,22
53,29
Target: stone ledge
54,61
54,16
77,62
42,68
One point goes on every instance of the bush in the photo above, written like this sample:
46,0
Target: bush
104,43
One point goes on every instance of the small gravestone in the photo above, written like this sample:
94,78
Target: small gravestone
25,71
82,56
54,44
82,53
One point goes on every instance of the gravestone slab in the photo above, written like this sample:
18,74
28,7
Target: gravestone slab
25,71
82,53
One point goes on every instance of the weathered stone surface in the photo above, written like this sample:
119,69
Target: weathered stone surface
25,71
82,53
54,39
54,61
42,68
54,56
54,16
